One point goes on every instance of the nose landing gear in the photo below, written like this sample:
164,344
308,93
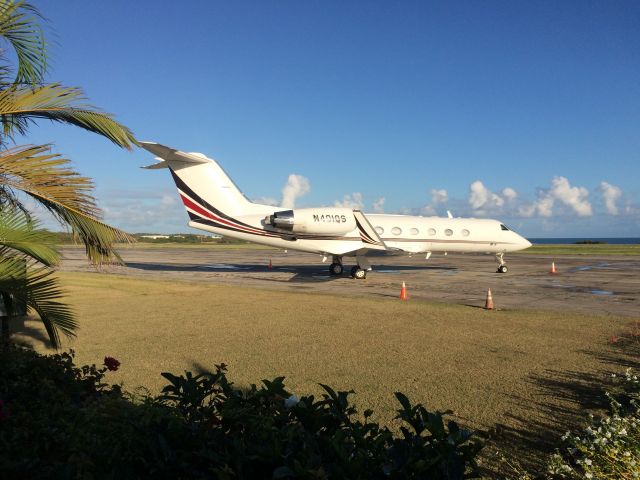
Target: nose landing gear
502,267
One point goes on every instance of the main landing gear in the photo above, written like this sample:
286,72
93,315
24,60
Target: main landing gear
502,267
336,268
358,273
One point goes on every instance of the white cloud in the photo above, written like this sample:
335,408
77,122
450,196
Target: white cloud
544,205
610,194
169,200
353,200
378,205
509,194
439,196
144,211
574,197
481,198
296,186
527,210
427,211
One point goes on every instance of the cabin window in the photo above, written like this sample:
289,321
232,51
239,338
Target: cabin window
414,231
380,230
503,227
396,230
465,232
432,231
448,232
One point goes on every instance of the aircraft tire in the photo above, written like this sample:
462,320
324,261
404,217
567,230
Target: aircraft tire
503,269
336,269
358,273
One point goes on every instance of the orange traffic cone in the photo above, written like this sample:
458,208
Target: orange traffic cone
488,304
270,264
553,268
403,292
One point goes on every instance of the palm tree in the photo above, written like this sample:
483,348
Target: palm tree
27,253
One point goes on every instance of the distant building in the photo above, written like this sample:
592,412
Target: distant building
154,237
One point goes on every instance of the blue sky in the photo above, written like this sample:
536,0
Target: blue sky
523,111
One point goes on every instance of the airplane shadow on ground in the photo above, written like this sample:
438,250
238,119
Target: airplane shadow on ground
311,274
562,404
302,273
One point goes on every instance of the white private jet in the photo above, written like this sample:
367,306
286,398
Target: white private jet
216,205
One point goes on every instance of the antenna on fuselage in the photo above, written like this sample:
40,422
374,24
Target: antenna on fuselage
449,214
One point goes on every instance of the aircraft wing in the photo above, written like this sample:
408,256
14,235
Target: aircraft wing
368,234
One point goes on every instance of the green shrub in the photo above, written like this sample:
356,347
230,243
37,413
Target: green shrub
609,446
62,421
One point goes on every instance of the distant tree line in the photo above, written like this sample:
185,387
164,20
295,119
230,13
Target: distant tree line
67,238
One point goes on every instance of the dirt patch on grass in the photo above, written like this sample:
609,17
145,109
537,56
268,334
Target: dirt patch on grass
528,373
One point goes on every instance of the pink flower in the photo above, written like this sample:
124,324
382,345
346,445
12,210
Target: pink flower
111,363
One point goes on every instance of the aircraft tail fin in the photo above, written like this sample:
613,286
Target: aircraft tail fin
201,182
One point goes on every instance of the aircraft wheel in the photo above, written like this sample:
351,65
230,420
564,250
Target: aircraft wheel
335,269
502,269
358,273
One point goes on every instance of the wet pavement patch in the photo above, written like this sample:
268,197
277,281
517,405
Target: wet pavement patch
596,291
586,268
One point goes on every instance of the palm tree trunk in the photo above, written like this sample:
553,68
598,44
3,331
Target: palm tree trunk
6,310
4,329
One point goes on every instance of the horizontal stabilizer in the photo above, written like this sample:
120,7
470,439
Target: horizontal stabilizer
172,155
154,166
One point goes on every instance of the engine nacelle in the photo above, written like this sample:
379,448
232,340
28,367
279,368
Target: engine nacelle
329,221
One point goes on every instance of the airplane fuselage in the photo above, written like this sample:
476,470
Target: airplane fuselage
408,233
215,204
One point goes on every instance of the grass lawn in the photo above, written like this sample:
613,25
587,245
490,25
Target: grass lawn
582,249
525,372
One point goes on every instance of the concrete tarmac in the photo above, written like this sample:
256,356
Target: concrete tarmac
604,285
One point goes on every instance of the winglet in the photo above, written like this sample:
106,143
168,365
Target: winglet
172,155
368,234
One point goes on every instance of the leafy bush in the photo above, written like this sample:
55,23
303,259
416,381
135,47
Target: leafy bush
59,420
608,447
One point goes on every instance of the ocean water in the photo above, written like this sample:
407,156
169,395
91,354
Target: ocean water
612,241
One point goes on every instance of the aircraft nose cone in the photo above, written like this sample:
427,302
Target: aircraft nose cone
526,243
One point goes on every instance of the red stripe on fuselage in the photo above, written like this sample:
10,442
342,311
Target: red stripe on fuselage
205,213
197,208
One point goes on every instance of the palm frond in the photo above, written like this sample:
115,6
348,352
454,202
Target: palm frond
32,168
67,195
41,292
20,106
98,237
9,199
19,25
19,233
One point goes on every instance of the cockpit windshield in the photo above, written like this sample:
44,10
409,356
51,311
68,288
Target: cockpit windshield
503,227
